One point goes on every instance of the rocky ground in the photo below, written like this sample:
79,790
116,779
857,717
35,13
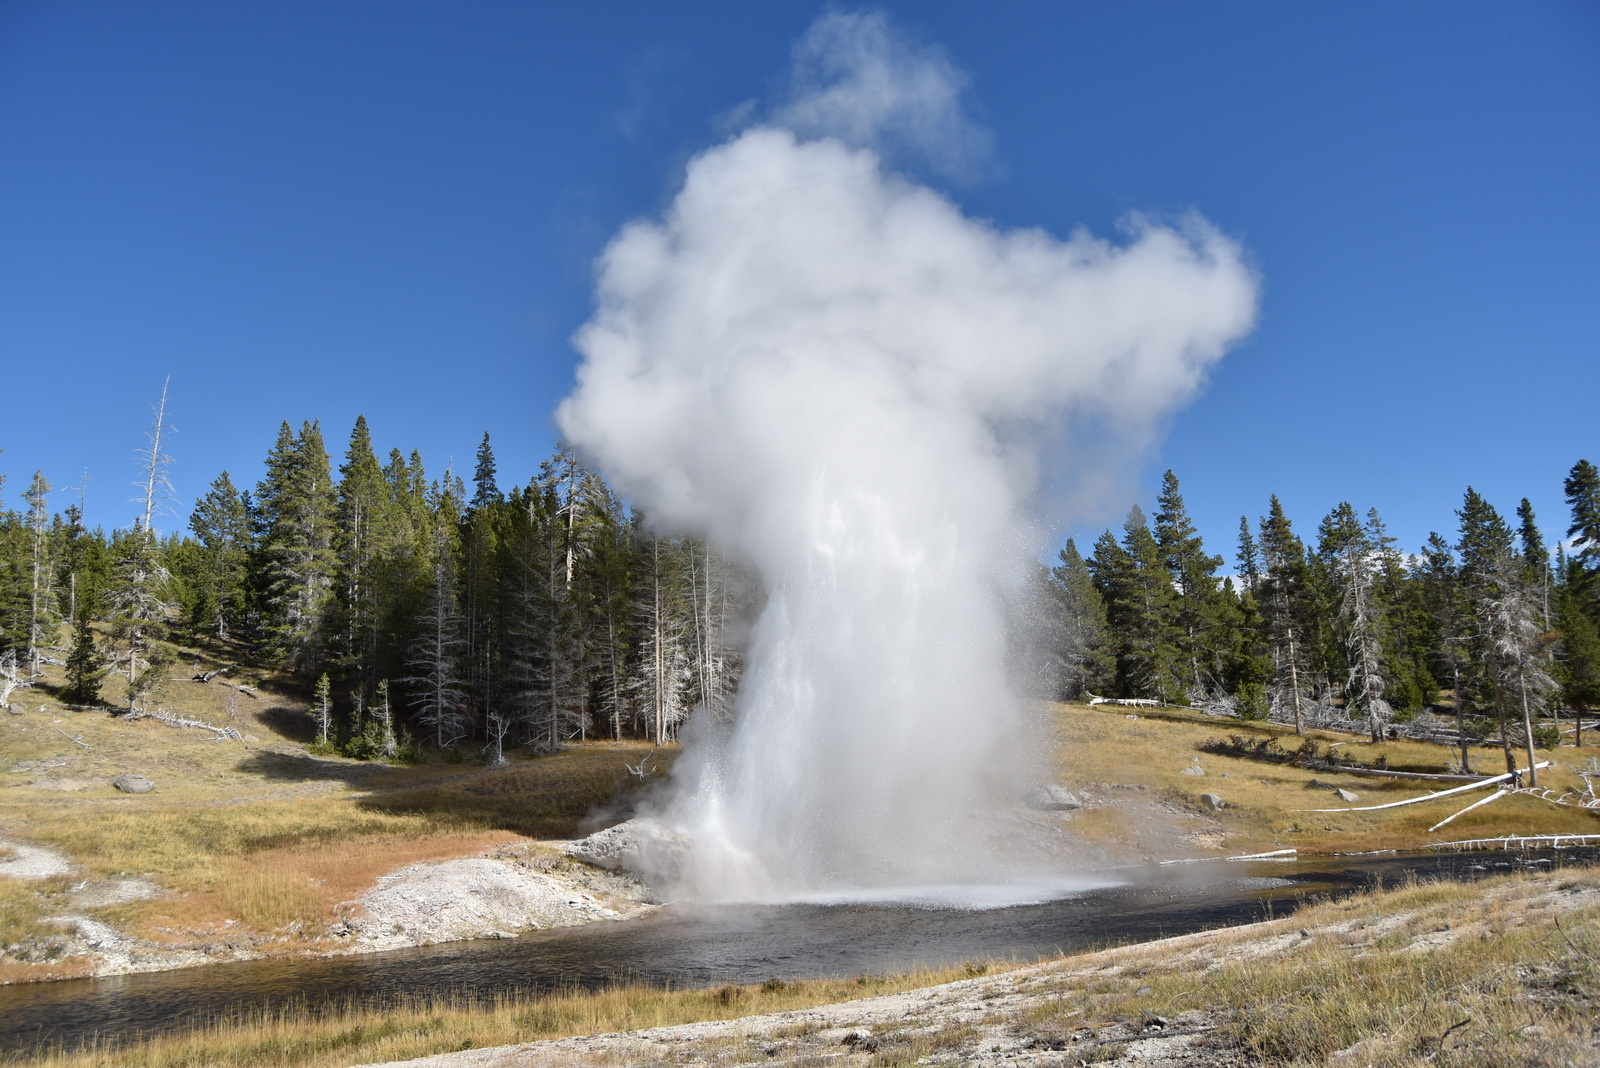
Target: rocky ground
503,893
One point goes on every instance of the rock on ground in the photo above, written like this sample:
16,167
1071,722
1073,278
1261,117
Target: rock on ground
31,862
480,897
642,846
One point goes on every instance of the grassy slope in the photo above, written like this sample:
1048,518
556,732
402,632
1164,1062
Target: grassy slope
258,832
1103,746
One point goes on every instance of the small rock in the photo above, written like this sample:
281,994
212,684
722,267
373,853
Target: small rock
1213,802
1194,769
1053,799
133,784
1347,795
861,1039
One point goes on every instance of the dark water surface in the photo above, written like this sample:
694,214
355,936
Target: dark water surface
706,946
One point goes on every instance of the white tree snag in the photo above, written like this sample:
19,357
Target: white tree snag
1429,797
1497,795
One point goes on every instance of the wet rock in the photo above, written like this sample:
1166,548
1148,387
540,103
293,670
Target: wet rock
641,846
133,784
1213,802
1054,799
480,897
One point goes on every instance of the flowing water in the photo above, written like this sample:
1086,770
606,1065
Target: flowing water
725,944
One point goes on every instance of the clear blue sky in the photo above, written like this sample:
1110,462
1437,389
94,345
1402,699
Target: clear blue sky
318,210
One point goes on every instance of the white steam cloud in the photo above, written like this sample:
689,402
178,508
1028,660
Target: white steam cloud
835,376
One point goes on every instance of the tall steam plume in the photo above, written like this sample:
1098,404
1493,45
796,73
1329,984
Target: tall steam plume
832,374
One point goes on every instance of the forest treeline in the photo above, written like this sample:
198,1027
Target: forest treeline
1345,627
431,610
409,605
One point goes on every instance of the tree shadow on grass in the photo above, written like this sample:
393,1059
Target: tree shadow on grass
305,767
287,722
551,796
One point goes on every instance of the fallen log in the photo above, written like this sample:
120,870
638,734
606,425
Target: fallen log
1430,797
1497,795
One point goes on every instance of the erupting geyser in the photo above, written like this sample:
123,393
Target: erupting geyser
835,376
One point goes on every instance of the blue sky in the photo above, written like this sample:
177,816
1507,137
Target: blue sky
318,210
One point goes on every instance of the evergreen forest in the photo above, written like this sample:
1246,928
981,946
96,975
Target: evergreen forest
429,612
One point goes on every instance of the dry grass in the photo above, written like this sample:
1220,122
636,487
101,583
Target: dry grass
421,1028
1102,746
1432,973
260,832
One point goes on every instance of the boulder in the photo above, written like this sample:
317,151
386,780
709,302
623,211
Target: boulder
1213,802
1053,799
1347,795
133,784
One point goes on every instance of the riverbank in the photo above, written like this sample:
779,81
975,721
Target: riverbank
1502,973
1495,972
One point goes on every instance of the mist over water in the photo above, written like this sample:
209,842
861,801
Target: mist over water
832,374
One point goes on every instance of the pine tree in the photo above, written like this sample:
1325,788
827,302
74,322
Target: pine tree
322,709
435,654
1283,599
362,534
1248,558
1141,611
485,493
1577,669
1450,608
139,612
482,607
1583,497
1353,557
222,524
1082,646
1201,619
85,661
1491,576
296,505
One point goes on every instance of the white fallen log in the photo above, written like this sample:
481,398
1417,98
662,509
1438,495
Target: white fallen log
70,738
1521,841
199,724
1442,793
1497,795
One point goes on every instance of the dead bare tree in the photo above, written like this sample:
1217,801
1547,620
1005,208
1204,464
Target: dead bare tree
156,486
11,678
36,495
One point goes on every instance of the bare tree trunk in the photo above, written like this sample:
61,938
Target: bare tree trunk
1294,683
1527,727
154,478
